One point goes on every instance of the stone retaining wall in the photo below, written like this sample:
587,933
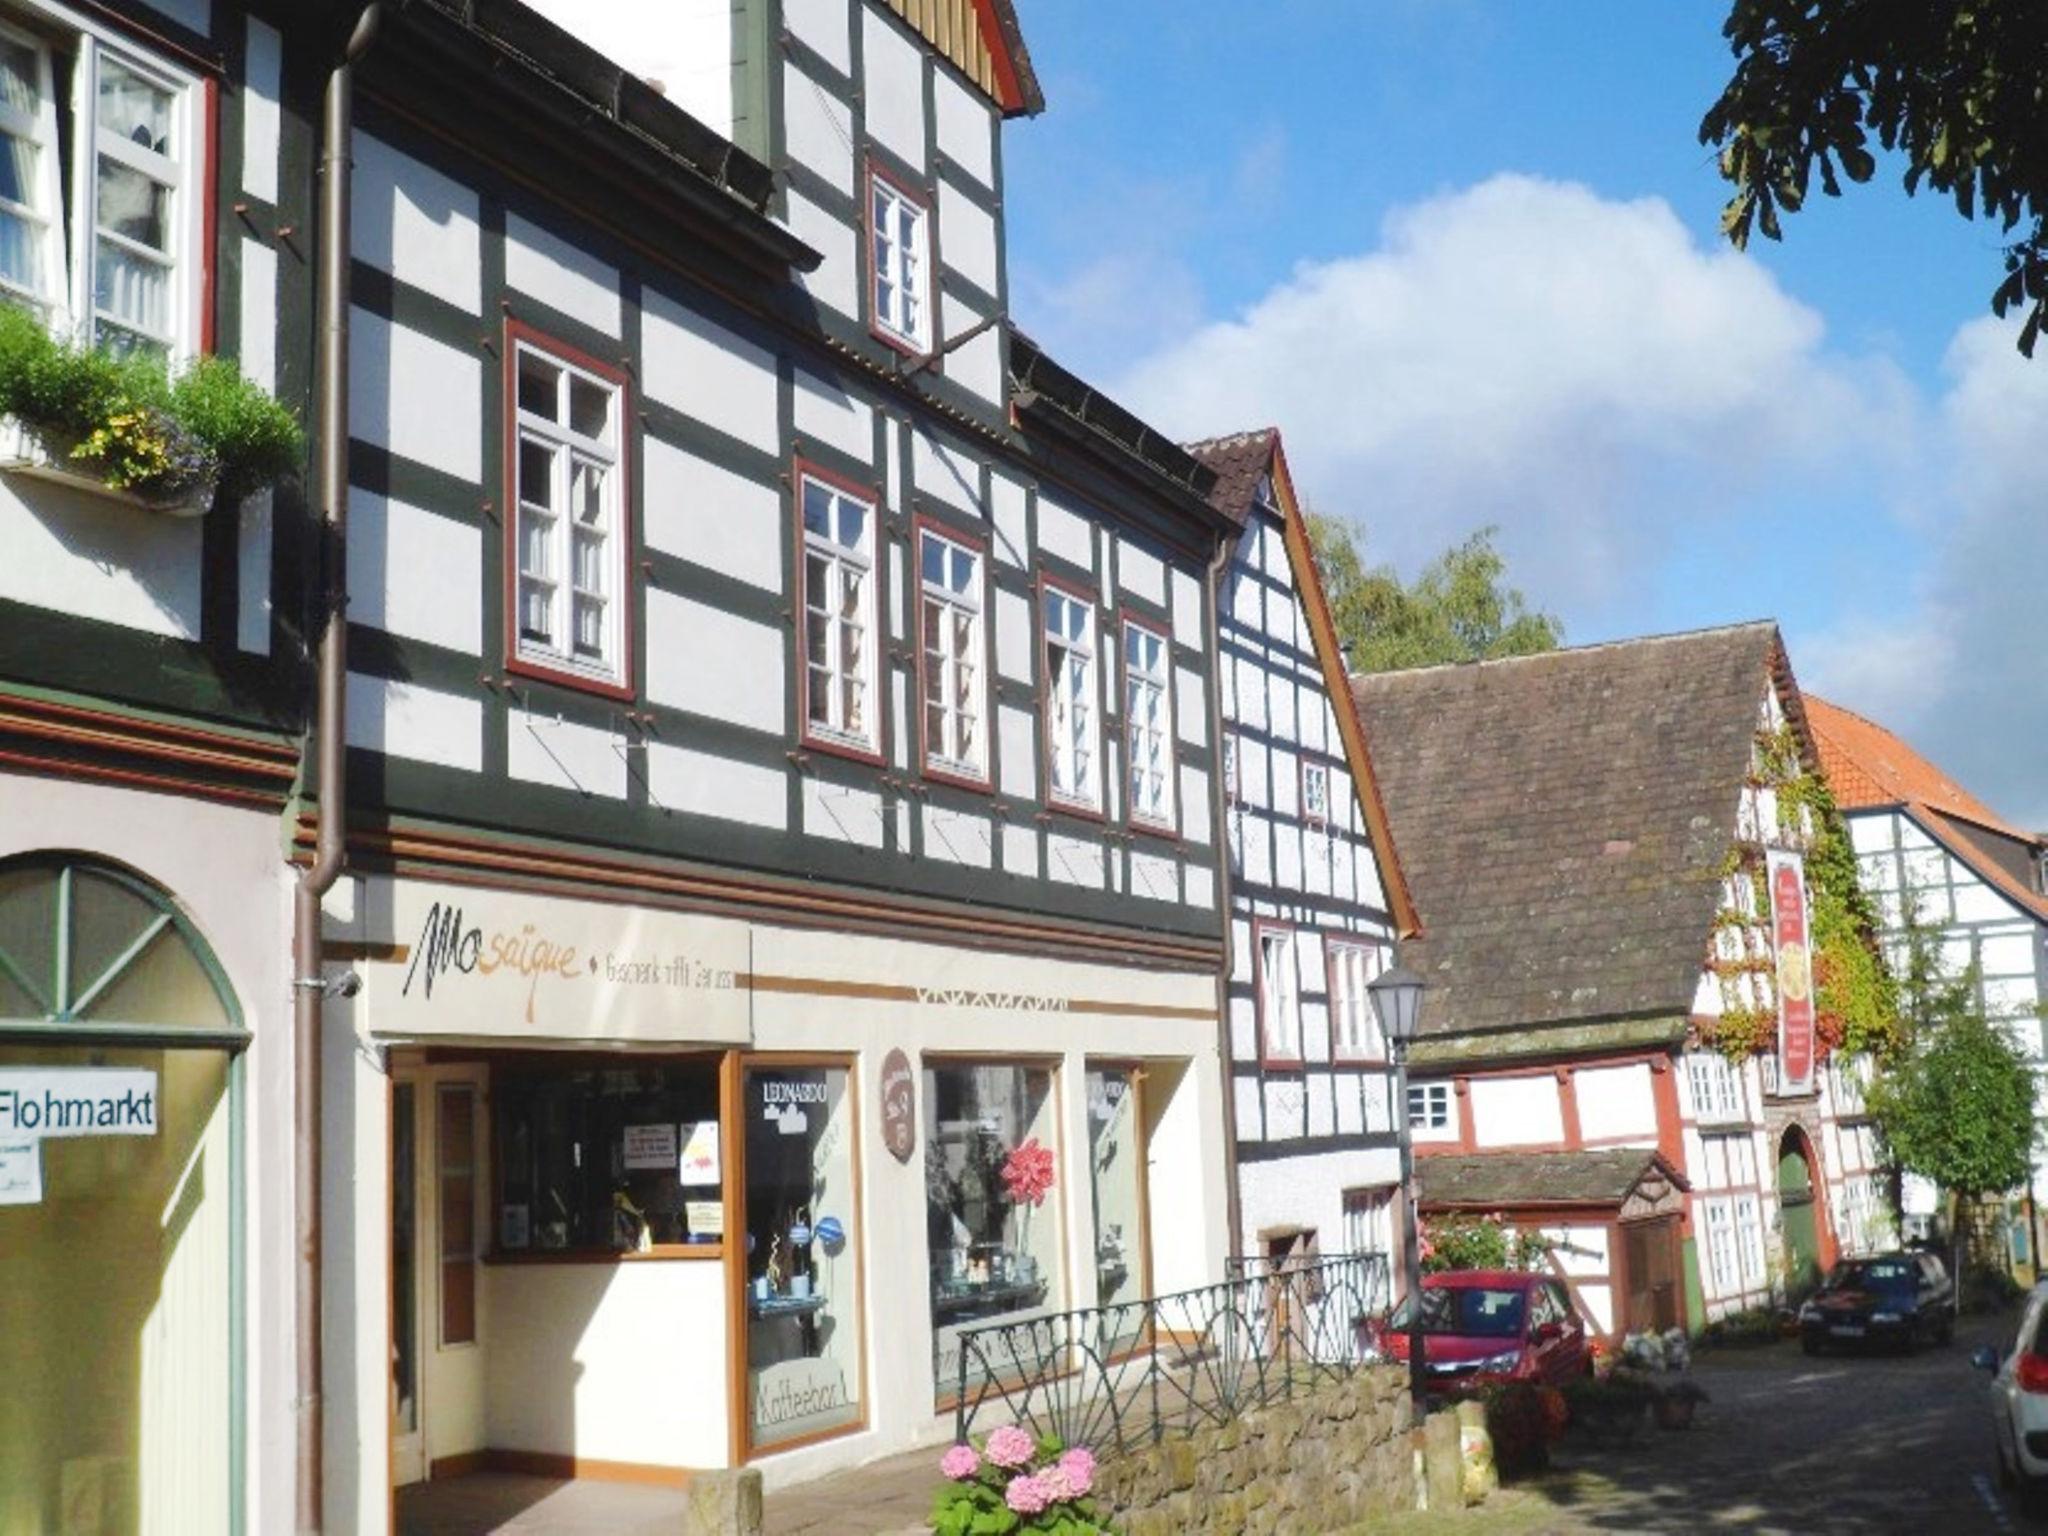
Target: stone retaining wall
1335,1455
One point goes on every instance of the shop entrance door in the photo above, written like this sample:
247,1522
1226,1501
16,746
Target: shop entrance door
437,1151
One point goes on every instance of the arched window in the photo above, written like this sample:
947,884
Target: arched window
90,947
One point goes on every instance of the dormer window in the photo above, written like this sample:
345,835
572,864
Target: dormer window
108,248
899,263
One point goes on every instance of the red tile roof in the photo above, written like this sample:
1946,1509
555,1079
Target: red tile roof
1868,767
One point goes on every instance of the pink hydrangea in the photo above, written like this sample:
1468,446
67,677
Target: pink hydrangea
1059,1488
1078,1467
1027,1496
960,1462
1010,1447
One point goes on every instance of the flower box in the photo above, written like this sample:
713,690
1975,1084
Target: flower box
22,455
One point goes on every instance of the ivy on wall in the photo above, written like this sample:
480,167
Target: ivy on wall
1856,1004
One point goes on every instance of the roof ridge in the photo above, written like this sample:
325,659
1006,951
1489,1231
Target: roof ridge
1576,650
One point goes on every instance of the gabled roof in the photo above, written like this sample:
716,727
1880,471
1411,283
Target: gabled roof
1867,766
1605,1176
981,39
1240,462
1563,819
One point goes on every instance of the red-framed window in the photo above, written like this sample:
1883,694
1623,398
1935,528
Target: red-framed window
899,262
568,545
1276,983
952,654
839,551
1071,644
1149,769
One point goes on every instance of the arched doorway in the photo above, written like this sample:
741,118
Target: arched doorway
1798,1213
120,1202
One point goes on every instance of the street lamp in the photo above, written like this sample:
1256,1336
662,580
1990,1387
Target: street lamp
1397,1004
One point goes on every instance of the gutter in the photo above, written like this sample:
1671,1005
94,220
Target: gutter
309,990
1219,813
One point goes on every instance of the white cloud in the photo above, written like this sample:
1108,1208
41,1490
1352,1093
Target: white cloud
1525,352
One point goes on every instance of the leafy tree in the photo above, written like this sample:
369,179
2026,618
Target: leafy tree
1956,1104
1954,87
1459,609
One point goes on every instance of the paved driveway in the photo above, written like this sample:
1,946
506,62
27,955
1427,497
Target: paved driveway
1863,1445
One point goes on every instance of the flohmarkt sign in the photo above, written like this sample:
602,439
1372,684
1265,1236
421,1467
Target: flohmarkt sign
41,1102
477,962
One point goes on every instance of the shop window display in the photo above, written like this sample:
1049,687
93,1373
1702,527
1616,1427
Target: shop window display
612,1159
992,1193
1116,1155
803,1302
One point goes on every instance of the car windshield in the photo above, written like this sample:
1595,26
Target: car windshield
1876,1275
1472,1311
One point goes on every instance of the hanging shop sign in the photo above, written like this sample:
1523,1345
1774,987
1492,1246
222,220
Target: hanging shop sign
899,1106
468,961
1786,876
77,1101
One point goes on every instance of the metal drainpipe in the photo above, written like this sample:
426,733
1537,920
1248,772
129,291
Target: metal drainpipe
330,849
1219,802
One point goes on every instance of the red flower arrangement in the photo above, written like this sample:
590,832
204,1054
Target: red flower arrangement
1027,1173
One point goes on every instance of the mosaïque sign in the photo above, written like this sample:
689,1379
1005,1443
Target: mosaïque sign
1786,875
469,961
899,1106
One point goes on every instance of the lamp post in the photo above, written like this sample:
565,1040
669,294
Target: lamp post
1397,1003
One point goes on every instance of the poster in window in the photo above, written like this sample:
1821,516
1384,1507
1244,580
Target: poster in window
698,1163
650,1146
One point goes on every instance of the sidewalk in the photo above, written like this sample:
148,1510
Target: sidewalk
885,1498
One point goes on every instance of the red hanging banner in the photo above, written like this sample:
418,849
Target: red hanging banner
1795,971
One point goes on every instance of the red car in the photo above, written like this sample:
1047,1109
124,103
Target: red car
1494,1322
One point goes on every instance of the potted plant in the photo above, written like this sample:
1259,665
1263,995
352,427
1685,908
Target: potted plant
128,424
1676,1403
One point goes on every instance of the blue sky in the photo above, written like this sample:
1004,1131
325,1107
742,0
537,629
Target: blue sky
1465,253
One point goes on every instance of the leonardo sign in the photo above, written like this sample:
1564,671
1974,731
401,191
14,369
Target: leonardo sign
478,962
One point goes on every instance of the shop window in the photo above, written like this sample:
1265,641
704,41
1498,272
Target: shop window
992,1189
1116,1157
612,1159
118,1228
455,1177
803,1264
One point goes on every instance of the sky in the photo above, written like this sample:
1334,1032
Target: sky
1466,255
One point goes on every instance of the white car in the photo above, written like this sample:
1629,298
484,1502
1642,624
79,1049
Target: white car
2019,1402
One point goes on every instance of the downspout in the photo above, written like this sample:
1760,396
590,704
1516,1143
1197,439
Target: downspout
1219,803
309,992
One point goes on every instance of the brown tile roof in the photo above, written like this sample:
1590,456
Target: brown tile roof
1606,1176
1867,766
1240,461
1563,818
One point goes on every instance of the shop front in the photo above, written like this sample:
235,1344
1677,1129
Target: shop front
121,1208
649,1191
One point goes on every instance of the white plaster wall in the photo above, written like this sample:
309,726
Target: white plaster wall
745,688
1516,1111
837,280
76,553
1616,1101
1065,533
975,363
704,513
1010,539
262,72
1308,1191
222,865
951,476
404,719
419,398
418,225
966,128
842,814
400,559
706,371
562,276
705,784
894,88
568,1356
545,749
817,128
967,238
823,24
958,837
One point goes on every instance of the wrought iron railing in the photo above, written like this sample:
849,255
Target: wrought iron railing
1119,1376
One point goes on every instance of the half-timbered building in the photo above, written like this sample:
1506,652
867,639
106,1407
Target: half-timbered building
1587,833
778,721
1316,894
1929,850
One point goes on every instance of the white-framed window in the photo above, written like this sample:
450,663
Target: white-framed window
1721,1260
1233,790
570,542
955,688
1369,1221
1073,724
1354,1030
839,612
1148,723
1429,1106
899,234
1749,1234
1279,996
1716,1090
1315,793
101,190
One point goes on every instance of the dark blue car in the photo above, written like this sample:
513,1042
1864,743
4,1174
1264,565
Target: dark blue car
1895,1298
